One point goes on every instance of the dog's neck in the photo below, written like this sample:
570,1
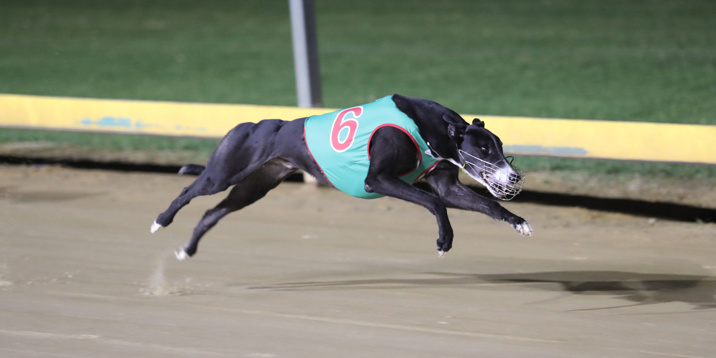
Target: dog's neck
433,153
428,115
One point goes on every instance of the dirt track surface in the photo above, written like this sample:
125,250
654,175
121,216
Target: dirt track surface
310,272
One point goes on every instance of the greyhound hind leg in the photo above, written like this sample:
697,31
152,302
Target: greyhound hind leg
203,185
246,192
223,170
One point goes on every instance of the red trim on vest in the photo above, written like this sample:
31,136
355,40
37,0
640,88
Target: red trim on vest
426,171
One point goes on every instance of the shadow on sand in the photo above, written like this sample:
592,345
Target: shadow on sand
639,288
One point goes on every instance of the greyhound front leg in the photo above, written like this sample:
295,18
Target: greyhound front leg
488,207
456,195
391,185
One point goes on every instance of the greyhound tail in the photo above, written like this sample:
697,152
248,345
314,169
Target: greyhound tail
191,169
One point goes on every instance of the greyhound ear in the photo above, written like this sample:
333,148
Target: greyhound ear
455,129
455,132
478,122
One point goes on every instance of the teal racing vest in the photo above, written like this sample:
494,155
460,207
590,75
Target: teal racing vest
338,142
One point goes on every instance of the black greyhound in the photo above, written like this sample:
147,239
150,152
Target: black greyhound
257,157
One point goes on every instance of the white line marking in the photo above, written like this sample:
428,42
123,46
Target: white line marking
25,353
119,342
660,354
33,334
383,325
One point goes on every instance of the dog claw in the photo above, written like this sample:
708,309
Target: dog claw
524,228
180,254
155,227
441,253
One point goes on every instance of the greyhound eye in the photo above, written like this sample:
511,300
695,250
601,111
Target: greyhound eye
485,149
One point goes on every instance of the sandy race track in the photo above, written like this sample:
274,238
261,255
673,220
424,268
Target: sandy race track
311,272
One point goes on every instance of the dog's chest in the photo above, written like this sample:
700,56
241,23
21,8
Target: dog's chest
339,141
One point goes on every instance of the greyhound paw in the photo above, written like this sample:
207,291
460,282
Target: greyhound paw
155,227
523,228
444,246
180,254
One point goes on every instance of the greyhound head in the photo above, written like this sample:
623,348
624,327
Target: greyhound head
480,155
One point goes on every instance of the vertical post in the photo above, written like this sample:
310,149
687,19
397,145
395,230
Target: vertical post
305,53
305,58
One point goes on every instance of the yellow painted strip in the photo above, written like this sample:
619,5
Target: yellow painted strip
137,117
665,142
521,135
